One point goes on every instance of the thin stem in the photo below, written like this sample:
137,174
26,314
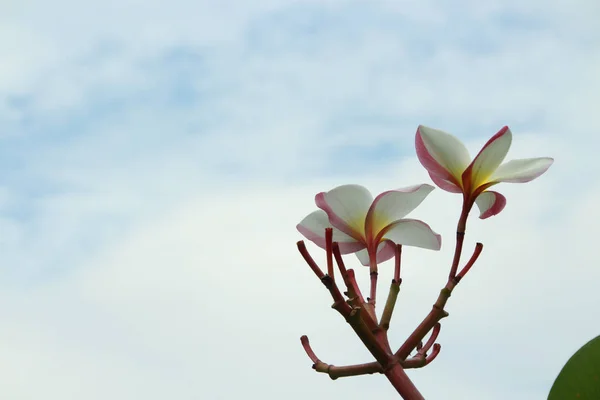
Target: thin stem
309,260
397,259
373,274
435,315
328,249
434,334
390,304
394,290
353,287
474,257
309,351
354,294
434,353
335,372
460,237
373,293
339,302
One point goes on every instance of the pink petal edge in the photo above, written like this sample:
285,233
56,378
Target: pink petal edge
319,240
467,176
496,207
334,219
431,164
444,184
404,190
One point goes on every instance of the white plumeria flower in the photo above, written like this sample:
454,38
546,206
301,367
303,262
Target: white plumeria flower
370,227
450,167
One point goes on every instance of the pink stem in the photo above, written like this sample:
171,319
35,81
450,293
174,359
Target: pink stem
474,257
402,383
397,258
373,274
460,237
328,249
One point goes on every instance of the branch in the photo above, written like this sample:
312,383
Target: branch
339,372
373,293
438,312
338,300
432,339
435,315
389,305
460,237
354,294
364,323
397,259
328,248
420,360
474,257
394,290
309,260
373,274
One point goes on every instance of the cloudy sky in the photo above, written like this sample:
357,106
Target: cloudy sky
156,157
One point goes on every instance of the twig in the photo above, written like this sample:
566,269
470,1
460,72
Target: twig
328,249
309,260
474,257
335,372
397,262
394,290
389,305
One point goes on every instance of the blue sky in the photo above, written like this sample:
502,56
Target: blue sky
157,156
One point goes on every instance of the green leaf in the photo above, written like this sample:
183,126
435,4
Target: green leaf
580,377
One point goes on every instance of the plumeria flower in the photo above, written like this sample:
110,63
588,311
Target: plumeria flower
450,167
370,227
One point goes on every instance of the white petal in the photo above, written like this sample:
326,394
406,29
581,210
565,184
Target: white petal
386,251
524,170
489,158
383,254
412,232
363,257
436,148
347,207
313,228
445,183
393,205
490,203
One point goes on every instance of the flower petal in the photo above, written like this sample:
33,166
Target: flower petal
441,153
313,228
392,205
385,251
413,232
490,203
447,185
363,257
347,208
524,170
488,159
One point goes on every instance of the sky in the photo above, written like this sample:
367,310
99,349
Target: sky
156,157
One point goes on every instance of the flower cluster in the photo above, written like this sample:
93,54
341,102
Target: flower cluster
449,165
370,227
349,220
